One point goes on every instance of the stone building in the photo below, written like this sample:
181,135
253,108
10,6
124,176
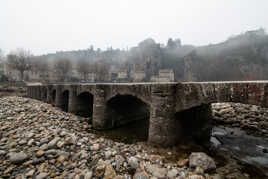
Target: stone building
113,74
11,74
189,72
33,76
155,78
122,76
164,75
90,78
74,74
138,76
167,75
118,75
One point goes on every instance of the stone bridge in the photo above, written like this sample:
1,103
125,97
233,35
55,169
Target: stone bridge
174,111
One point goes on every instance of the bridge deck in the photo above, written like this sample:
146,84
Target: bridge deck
153,83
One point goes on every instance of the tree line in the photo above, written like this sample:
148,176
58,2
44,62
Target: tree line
23,61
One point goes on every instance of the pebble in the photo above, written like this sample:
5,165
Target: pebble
2,152
40,153
42,176
95,147
141,175
108,154
172,173
202,160
109,172
157,171
30,173
196,177
17,158
88,175
30,142
52,143
133,162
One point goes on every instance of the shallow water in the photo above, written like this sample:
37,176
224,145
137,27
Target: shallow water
249,150
133,132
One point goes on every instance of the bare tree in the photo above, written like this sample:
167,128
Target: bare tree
62,68
101,70
20,60
41,67
84,68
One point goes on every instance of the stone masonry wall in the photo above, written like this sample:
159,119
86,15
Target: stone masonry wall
164,99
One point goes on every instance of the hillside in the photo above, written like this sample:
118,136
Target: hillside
242,57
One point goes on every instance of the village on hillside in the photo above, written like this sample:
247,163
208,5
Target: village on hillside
114,75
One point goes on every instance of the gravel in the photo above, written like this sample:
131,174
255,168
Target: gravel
39,141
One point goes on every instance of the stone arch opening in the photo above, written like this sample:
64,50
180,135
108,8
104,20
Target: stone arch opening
65,101
85,105
196,123
45,95
131,114
53,96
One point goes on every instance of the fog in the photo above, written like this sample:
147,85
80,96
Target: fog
49,26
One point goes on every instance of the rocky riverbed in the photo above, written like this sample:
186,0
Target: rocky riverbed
251,118
40,141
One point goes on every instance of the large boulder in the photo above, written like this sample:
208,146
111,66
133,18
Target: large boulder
202,160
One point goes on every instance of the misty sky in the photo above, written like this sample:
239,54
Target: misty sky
45,26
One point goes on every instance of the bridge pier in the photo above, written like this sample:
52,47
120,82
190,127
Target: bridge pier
59,98
36,93
43,96
101,113
72,103
164,129
49,94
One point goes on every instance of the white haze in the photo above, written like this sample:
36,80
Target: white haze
46,26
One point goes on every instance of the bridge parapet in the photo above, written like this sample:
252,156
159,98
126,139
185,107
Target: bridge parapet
190,95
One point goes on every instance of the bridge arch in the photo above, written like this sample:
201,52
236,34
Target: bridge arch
53,96
142,98
85,102
44,93
195,123
127,108
65,100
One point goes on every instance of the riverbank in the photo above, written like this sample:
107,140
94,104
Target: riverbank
251,118
40,141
